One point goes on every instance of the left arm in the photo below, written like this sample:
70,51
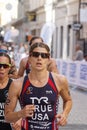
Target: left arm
67,102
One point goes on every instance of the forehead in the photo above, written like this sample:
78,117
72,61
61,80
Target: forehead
4,59
36,40
3,47
40,49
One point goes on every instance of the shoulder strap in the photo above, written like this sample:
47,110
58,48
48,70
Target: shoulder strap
52,83
26,83
27,65
9,83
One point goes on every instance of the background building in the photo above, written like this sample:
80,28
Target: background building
67,17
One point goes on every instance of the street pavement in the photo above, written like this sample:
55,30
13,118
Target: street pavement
73,127
77,119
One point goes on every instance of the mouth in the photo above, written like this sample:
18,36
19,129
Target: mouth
1,73
39,64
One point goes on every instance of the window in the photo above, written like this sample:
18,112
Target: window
68,39
61,41
56,50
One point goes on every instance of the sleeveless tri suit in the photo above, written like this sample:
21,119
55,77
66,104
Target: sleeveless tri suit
45,100
3,96
27,68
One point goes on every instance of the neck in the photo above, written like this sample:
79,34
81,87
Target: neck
39,73
3,82
39,77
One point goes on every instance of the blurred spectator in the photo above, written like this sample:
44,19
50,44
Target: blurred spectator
78,53
21,48
3,48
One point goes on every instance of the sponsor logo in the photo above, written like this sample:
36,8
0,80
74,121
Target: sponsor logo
49,92
29,90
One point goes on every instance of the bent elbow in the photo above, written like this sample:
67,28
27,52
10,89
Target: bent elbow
7,119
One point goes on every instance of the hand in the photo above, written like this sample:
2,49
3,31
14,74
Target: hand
16,125
61,119
28,111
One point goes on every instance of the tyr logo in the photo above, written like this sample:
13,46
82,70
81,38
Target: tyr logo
44,99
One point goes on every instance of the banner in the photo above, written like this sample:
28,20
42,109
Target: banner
82,77
75,72
47,32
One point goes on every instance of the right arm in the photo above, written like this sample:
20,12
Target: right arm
52,66
14,92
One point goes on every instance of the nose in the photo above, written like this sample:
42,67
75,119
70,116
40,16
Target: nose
39,56
1,67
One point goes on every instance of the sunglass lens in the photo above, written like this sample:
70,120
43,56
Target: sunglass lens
4,66
0,65
35,54
43,55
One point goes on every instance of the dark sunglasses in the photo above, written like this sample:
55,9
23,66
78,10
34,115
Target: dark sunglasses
4,65
37,54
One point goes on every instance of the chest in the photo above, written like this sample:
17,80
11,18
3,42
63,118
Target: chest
45,95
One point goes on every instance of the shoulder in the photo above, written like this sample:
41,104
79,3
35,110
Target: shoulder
60,81
16,85
59,77
18,81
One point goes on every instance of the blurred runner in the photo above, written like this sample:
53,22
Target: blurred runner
25,66
5,82
13,69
